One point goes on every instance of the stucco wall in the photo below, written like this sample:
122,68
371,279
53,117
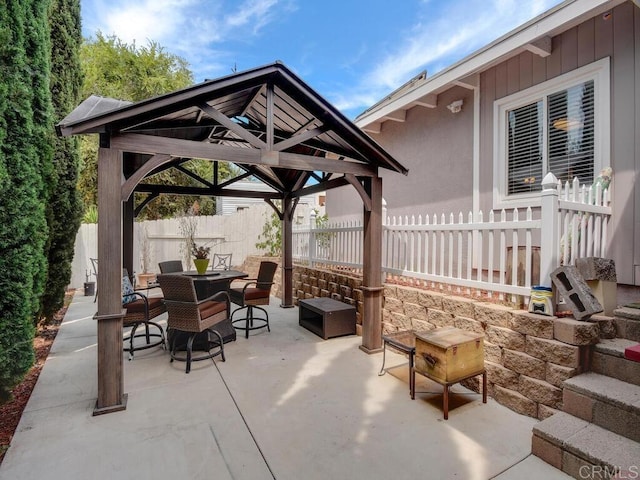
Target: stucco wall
436,146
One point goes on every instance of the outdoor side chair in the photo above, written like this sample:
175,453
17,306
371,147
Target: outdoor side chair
192,316
171,266
221,261
94,267
255,292
140,310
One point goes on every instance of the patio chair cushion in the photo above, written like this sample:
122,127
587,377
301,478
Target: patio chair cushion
255,293
127,290
210,308
138,305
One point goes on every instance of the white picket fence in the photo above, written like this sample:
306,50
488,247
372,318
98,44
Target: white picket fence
504,252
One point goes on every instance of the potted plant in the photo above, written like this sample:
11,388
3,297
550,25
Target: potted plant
145,277
201,257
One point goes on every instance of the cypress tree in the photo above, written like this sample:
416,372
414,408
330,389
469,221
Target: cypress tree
64,208
25,168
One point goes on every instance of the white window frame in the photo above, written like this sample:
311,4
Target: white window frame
599,72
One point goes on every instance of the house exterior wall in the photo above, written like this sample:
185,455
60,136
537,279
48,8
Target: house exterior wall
616,37
437,146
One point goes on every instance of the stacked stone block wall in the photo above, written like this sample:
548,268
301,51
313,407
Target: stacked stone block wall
311,283
527,356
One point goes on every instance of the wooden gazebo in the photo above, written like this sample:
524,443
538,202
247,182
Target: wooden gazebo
269,123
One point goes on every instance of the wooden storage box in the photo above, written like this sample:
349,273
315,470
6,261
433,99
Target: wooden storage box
326,317
448,355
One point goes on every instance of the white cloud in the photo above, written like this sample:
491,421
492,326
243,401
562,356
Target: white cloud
189,28
256,12
435,42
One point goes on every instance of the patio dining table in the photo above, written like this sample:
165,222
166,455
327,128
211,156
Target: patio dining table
212,282
208,284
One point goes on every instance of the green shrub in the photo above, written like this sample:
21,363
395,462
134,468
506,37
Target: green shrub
25,169
64,208
90,214
271,237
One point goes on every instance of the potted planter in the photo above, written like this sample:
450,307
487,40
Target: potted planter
201,265
144,279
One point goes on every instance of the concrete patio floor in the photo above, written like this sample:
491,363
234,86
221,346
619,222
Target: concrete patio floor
285,405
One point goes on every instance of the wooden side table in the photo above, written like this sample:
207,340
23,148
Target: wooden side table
405,341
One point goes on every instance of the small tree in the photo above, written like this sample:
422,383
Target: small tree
145,249
271,236
188,225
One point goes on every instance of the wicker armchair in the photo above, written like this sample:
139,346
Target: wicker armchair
190,315
140,310
249,299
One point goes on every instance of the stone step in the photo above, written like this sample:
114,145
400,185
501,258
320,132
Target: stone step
608,359
627,322
584,450
605,401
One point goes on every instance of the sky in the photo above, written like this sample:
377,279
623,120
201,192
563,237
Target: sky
352,52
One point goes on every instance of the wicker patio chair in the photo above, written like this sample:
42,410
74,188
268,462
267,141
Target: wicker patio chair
171,266
249,299
140,310
192,316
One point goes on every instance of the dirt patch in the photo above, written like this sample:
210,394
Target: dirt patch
11,411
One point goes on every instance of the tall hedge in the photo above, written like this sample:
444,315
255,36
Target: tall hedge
64,210
25,169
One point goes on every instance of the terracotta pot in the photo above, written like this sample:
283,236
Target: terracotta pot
145,278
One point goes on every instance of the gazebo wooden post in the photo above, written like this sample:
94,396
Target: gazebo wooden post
128,217
111,396
287,252
372,269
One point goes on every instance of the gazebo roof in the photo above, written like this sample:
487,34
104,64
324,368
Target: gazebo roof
266,120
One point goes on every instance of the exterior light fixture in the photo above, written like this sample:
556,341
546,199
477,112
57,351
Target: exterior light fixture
455,107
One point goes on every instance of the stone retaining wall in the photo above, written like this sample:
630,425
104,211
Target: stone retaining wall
311,283
527,356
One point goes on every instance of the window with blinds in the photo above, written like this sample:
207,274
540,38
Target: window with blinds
525,148
554,133
571,133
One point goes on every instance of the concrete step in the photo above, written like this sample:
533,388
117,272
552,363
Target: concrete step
608,359
627,321
584,450
607,402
